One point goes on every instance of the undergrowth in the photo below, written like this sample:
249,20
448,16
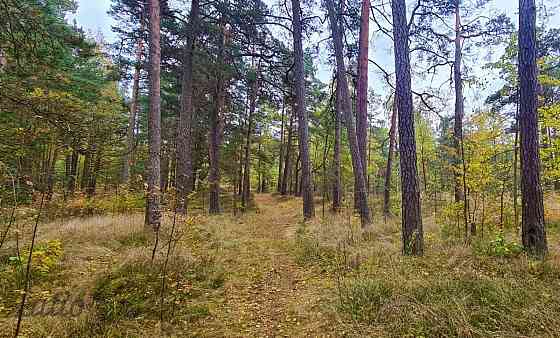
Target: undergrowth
133,290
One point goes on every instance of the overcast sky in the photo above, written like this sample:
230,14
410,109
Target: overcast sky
92,15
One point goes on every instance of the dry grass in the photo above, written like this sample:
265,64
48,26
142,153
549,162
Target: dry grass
265,273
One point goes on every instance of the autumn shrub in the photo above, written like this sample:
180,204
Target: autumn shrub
499,246
45,257
81,205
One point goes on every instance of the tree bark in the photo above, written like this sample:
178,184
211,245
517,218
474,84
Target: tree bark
130,139
164,168
246,192
362,87
153,213
184,133
288,158
515,179
215,133
412,232
281,155
73,170
96,168
337,180
459,105
301,112
346,106
532,213
389,168
86,167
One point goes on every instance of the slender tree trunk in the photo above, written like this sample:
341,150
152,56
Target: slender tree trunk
130,141
459,105
96,168
246,195
281,152
389,168
337,180
153,213
239,187
73,170
515,160
301,112
51,174
289,157
215,134
164,169
532,213
349,118
362,88
184,169
86,167
295,177
412,232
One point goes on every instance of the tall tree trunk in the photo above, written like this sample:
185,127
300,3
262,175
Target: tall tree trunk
515,179
459,105
245,196
337,180
164,168
281,152
51,174
362,87
289,157
73,170
239,190
346,106
130,141
301,112
295,177
184,134
153,213
412,232
96,168
215,134
532,213
86,167
389,168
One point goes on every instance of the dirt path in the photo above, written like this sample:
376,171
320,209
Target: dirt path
267,294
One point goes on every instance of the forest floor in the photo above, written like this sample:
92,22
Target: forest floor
267,274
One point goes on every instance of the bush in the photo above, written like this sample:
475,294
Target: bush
499,247
45,257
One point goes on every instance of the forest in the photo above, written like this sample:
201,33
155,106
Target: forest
275,168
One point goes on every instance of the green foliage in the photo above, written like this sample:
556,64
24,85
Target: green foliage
44,258
125,202
501,247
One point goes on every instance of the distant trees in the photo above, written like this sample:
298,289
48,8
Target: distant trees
224,103
346,106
